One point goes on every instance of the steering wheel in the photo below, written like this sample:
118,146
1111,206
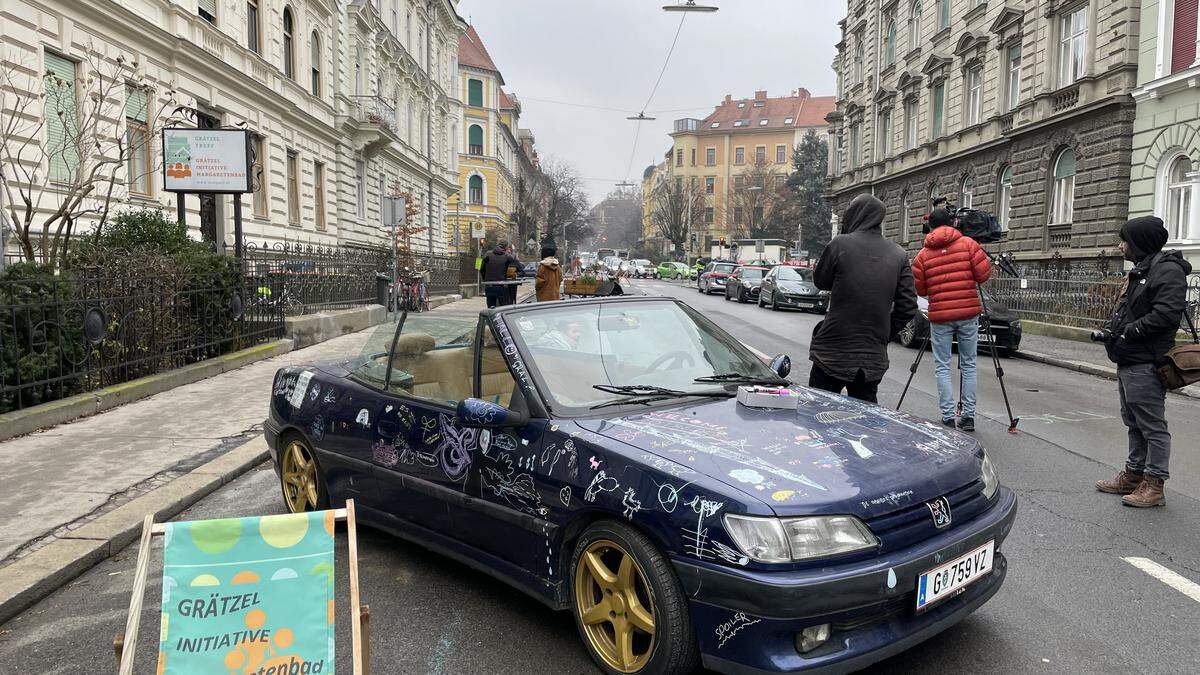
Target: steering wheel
676,359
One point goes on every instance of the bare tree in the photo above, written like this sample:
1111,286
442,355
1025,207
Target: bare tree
675,209
620,217
566,202
761,207
55,180
531,206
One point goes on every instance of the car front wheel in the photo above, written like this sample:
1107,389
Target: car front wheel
912,333
303,489
628,604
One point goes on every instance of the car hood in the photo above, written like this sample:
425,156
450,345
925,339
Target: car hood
798,287
833,455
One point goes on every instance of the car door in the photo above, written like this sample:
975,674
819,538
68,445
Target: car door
733,284
767,287
420,453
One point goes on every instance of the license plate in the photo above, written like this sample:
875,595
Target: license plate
807,304
948,580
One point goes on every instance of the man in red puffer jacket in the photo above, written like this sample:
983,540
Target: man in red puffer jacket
947,271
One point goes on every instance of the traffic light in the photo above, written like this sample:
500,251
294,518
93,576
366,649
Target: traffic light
722,242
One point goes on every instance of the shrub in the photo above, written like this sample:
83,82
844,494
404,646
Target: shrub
41,336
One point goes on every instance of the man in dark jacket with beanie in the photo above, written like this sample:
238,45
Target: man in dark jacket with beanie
1139,334
871,299
495,268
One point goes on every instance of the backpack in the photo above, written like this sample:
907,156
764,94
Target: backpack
1182,366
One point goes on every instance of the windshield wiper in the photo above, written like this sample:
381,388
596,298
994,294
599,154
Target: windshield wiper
741,379
646,393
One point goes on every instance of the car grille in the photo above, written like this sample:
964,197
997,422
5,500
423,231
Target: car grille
876,613
914,523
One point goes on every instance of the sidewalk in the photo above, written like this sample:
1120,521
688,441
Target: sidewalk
1085,357
62,478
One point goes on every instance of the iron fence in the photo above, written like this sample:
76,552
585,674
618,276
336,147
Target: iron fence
308,278
1083,303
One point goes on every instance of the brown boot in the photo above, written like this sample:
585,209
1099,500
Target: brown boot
1124,484
1149,493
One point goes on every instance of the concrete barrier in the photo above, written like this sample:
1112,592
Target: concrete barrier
311,329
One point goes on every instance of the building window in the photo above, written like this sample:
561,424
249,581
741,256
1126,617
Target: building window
910,123
889,43
710,156
293,187
679,157
737,215
966,193
260,175
914,25
739,155
885,134
475,190
315,66
1072,35
693,157
1004,203
319,193
207,9
360,186
781,154
974,86
905,216
253,37
858,59
739,182
137,140
709,185
760,154
289,54
1013,77
855,145
1183,35
475,140
1178,212
62,117
943,8
475,93
1062,201
938,104
708,215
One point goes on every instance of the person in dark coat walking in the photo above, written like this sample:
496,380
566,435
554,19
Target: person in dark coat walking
495,268
1138,336
871,299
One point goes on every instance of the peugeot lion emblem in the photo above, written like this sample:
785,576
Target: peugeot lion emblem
940,510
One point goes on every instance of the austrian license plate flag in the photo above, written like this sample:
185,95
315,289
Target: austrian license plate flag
248,595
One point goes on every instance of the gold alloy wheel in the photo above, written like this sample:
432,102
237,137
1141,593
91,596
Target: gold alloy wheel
299,478
616,609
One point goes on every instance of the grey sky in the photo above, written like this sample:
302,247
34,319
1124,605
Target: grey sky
608,53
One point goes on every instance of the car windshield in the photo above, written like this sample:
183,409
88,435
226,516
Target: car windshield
642,263
724,269
787,273
751,273
421,333
651,343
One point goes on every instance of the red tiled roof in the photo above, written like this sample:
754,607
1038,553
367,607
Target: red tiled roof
472,53
803,109
506,103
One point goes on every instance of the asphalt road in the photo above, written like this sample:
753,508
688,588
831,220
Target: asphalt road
1072,603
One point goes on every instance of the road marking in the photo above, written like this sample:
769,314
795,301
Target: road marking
1167,576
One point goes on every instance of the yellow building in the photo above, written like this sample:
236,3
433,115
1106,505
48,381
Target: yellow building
488,159
714,152
652,237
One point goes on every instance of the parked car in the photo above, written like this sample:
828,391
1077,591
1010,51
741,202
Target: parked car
1006,327
592,454
642,268
744,284
672,270
714,276
529,270
787,286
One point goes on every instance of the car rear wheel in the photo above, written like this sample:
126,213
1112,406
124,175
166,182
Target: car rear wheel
628,605
759,302
742,297
303,488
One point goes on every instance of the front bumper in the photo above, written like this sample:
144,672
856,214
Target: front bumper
813,302
747,621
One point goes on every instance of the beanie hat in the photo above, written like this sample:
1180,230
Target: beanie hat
1145,235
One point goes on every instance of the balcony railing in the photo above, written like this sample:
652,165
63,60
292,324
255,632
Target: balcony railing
374,110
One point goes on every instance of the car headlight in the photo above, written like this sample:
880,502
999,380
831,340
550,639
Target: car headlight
990,480
776,540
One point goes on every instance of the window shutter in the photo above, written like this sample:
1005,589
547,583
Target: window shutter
137,101
1183,36
209,6
61,115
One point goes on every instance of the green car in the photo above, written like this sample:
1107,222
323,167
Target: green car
673,270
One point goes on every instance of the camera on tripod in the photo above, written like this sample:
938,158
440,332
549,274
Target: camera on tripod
977,224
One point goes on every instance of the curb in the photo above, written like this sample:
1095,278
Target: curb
1107,372
28,420
37,575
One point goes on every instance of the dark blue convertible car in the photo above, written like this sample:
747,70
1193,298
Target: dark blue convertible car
593,453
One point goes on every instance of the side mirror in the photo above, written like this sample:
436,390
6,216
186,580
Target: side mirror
782,365
474,412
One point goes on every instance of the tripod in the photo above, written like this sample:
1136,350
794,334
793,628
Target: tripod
986,320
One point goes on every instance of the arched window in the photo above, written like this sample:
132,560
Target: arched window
889,43
914,26
289,53
1062,201
905,216
1178,212
475,140
966,193
859,57
933,194
315,65
358,64
475,190
1004,202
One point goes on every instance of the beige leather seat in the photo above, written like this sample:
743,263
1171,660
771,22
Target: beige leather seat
447,374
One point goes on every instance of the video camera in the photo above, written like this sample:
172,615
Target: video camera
977,224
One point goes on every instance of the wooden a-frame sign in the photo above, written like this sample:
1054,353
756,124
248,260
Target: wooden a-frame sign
125,643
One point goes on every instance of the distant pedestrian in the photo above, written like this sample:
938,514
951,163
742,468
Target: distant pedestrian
948,271
514,271
549,277
1138,336
871,299
495,268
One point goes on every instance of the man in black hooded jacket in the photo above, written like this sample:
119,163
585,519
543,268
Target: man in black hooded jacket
871,299
1138,336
